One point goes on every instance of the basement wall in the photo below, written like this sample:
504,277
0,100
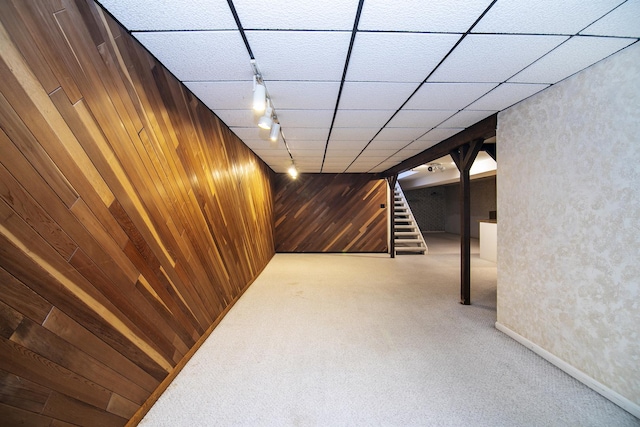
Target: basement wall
568,225
131,219
330,213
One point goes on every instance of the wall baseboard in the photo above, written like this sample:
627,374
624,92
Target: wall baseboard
618,399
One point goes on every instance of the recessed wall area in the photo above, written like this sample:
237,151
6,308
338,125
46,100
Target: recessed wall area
437,209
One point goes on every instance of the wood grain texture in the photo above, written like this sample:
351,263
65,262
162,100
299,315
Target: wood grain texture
330,213
131,218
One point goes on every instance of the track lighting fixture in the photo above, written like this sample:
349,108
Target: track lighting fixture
293,172
266,121
275,132
259,95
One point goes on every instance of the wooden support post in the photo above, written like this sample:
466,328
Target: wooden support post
392,203
464,157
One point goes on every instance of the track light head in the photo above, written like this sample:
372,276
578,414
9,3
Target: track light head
259,95
293,172
275,132
266,121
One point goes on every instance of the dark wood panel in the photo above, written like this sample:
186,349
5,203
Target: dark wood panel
330,213
22,393
131,218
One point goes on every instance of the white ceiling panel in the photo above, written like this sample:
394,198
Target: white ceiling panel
569,58
419,146
339,147
439,134
300,55
375,95
181,52
306,134
305,118
404,134
447,96
355,134
234,95
420,118
253,133
396,144
466,118
506,95
297,15
237,118
420,15
303,95
621,22
543,16
362,118
372,152
300,154
397,57
306,144
172,15
493,58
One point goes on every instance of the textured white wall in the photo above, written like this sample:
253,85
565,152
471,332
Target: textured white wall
569,221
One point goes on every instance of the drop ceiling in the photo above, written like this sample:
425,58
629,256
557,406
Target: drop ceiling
359,86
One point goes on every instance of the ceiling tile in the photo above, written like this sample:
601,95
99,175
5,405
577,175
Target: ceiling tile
621,22
569,58
396,144
306,134
362,118
237,118
355,134
420,15
420,118
375,95
300,55
439,134
297,15
543,16
235,95
404,134
288,95
447,96
305,118
303,154
172,15
181,52
253,133
306,144
506,95
493,58
419,146
397,57
466,118
339,147
370,152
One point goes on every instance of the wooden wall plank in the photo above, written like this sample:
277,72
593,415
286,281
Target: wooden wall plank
79,413
22,393
330,213
131,218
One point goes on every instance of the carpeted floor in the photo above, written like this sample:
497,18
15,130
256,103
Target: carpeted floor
366,340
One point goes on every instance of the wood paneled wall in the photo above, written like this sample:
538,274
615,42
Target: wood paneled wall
330,213
131,218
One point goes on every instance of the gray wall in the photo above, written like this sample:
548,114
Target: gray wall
438,208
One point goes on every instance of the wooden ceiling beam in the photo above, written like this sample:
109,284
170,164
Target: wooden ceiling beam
484,129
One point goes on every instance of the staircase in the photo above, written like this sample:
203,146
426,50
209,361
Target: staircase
408,238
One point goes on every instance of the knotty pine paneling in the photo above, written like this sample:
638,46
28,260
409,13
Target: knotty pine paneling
330,213
131,218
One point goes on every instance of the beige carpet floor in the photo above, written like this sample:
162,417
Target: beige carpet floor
366,340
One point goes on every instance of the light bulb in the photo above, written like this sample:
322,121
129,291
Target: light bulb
259,97
275,132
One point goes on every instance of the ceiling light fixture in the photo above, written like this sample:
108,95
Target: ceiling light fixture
266,121
275,132
293,172
259,94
